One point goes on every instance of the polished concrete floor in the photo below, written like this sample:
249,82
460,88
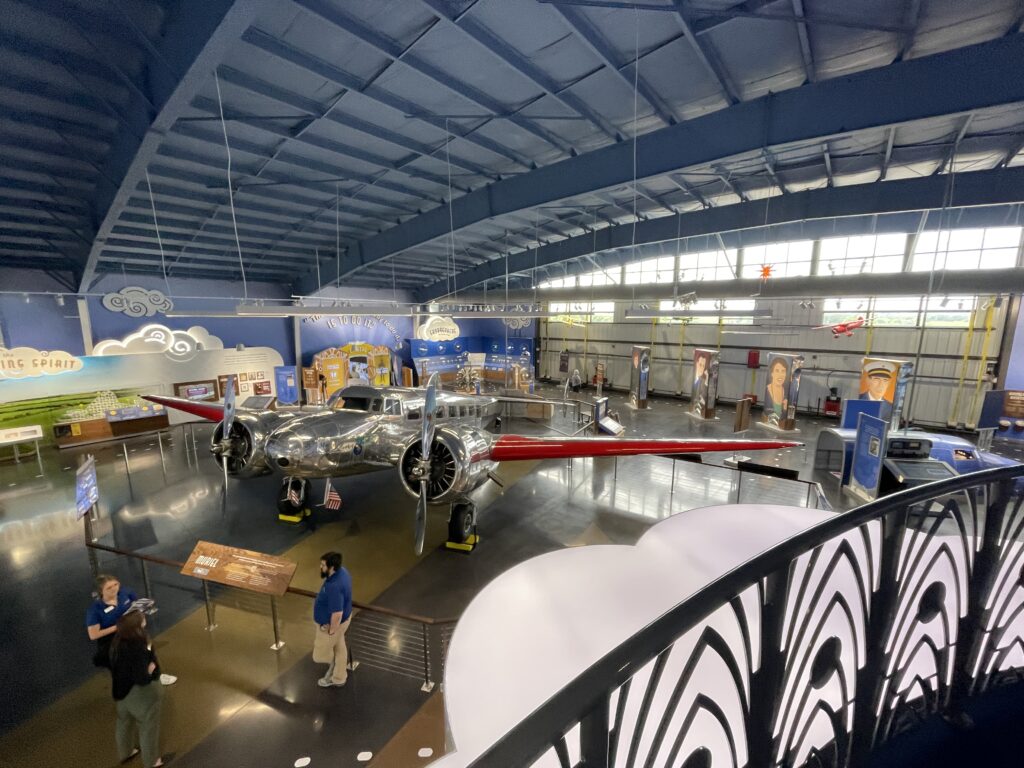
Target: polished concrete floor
240,702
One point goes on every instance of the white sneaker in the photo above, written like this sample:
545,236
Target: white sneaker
168,679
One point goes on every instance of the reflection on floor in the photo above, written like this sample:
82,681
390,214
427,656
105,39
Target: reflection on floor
237,697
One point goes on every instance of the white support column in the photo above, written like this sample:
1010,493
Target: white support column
86,323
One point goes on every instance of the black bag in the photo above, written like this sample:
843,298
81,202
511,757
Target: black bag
102,656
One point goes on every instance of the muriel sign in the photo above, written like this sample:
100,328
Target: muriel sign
26,362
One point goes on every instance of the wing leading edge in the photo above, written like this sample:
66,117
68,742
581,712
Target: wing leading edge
208,411
521,448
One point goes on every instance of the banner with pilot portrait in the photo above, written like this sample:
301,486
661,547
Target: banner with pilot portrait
705,383
781,390
885,381
639,376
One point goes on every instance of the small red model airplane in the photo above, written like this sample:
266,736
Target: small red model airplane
840,328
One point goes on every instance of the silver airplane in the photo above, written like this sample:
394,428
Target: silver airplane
438,441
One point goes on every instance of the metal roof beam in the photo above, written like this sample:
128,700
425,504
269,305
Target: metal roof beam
269,44
827,156
706,55
911,19
520,64
950,158
195,40
597,45
689,189
887,157
870,100
1015,150
805,41
977,188
338,18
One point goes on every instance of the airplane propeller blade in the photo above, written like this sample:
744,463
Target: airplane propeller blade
429,413
421,516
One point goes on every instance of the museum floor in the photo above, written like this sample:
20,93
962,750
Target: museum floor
237,701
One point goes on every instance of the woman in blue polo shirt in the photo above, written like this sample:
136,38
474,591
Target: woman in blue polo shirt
101,618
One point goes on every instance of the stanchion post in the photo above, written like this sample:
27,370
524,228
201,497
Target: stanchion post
39,458
278,642
128,469
163,463
195,450
428,684
615,470
672,489
210,626
145,580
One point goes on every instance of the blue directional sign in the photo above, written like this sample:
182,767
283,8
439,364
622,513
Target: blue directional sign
87,492
868,454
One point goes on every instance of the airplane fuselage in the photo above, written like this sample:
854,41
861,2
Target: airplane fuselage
365,429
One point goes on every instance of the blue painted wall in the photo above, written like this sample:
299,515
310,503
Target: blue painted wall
40,323
217,295
1015,362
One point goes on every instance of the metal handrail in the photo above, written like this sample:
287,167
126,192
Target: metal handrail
587,693
290,590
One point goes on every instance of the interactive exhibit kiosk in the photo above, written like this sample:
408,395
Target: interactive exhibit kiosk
871,457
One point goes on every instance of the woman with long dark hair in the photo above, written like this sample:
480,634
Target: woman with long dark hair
135,672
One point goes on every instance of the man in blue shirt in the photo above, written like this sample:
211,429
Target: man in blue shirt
332,611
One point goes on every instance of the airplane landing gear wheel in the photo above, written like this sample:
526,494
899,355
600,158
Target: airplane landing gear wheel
462,523
286,506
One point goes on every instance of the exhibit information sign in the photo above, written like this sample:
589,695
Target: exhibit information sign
87,492
868,453
242,568
20,434
1003,411
287,379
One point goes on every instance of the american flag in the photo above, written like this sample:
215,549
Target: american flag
331,498
293,496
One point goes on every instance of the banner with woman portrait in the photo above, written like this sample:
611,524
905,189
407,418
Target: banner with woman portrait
781,390
705,383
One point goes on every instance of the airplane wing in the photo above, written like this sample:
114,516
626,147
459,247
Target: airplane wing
204,410
522,448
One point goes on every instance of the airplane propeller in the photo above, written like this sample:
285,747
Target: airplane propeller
225,447
424,468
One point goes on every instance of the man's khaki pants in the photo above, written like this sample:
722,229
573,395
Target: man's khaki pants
331,649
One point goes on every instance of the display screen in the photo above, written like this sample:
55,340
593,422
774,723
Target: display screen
922,470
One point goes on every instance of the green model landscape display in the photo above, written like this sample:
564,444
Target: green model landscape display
47,411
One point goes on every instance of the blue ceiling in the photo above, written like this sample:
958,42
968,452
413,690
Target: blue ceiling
351,123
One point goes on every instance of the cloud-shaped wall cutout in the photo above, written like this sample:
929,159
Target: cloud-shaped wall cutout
138,302
177,345
540,624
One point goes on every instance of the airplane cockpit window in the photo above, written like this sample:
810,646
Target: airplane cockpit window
413,414
393,406
440,412
349,403
376,405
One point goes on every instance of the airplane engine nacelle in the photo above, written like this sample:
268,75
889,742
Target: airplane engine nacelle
459,463
246,454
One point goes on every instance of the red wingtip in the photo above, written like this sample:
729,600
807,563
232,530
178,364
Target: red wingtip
208,411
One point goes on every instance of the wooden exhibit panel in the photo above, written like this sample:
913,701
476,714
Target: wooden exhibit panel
242,568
